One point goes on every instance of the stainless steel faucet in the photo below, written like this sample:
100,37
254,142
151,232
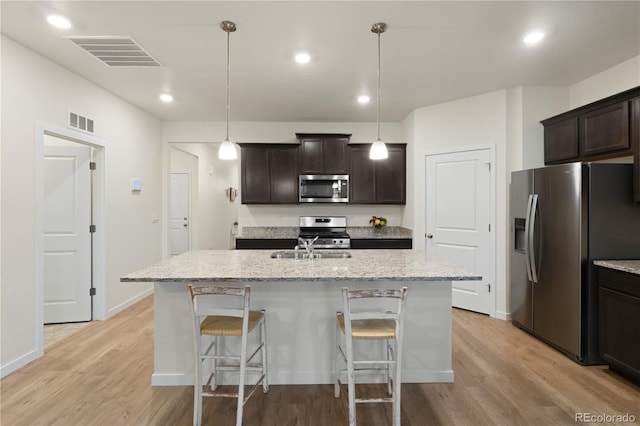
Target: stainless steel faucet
308,246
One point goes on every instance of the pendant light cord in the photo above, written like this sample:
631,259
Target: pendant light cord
378,108
228,83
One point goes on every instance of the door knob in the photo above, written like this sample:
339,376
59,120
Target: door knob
429,235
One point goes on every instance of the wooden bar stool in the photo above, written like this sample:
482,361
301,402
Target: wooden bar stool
213,322
359,321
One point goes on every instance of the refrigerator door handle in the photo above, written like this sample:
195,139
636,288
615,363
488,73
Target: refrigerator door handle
527,249
531,247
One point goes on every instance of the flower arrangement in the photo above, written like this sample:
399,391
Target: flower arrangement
378,221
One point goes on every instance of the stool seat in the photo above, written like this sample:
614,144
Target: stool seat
370,328
222,325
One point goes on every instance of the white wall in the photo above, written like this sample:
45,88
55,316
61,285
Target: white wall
609,82
37,91
212,211
470,123
539,103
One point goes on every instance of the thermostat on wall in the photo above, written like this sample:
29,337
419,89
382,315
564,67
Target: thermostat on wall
136,185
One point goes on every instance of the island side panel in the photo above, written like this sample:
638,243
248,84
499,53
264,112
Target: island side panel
301,330
173,335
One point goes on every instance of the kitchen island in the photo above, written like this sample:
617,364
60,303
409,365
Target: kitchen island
301,298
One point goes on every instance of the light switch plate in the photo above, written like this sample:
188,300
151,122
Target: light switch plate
136,184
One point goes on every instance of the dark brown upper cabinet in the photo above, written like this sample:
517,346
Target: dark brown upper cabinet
561,141
269,174
608,128
377,181
605,130
323,154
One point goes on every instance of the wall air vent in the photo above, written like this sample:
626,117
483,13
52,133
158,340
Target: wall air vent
80,122
115,51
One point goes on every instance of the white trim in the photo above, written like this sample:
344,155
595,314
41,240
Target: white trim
129,302
492,213
302,378
171,379
25,359
100,299
506,316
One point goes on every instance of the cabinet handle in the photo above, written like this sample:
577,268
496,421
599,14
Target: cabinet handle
429,235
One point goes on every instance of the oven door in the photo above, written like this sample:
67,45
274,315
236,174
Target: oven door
324,189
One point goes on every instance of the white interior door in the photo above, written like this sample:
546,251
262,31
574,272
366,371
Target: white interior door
179,213
67,240
458,218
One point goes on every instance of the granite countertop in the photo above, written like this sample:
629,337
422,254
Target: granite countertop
256,265
630,266
288,232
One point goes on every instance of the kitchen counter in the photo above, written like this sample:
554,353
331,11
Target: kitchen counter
257,265
288,232
396,232
630,266
301,298
269,232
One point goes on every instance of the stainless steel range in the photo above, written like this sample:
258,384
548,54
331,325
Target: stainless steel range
330,230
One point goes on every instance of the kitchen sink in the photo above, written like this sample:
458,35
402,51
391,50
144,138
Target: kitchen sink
317,254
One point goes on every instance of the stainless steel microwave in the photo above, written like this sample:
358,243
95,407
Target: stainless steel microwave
324,189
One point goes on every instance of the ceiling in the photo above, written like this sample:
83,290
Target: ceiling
432,52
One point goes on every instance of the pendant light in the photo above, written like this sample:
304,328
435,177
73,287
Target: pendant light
378,148
227,149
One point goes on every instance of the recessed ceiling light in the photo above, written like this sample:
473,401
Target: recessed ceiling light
533,37
363,99
59,21
302,58
166,98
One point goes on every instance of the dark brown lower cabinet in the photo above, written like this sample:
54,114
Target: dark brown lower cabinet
265,244
635,142
381,243
619,321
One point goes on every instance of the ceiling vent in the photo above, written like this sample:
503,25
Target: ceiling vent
80,122
115,51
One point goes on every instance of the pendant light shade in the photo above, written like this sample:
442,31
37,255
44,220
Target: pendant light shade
227,149
378,148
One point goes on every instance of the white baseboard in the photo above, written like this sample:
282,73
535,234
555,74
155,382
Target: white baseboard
130,302
25,359
171,379
304,378
503,315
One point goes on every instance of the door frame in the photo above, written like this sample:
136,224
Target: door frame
492,207
99,219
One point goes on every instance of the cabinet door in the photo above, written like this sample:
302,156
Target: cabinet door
561,141
255,181
361,175
335,155
311,157
635,142
391,177
605,130
284,174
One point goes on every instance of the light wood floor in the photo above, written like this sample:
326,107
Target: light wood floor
101,376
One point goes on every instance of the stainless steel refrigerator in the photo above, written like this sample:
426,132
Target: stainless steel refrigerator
562,218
